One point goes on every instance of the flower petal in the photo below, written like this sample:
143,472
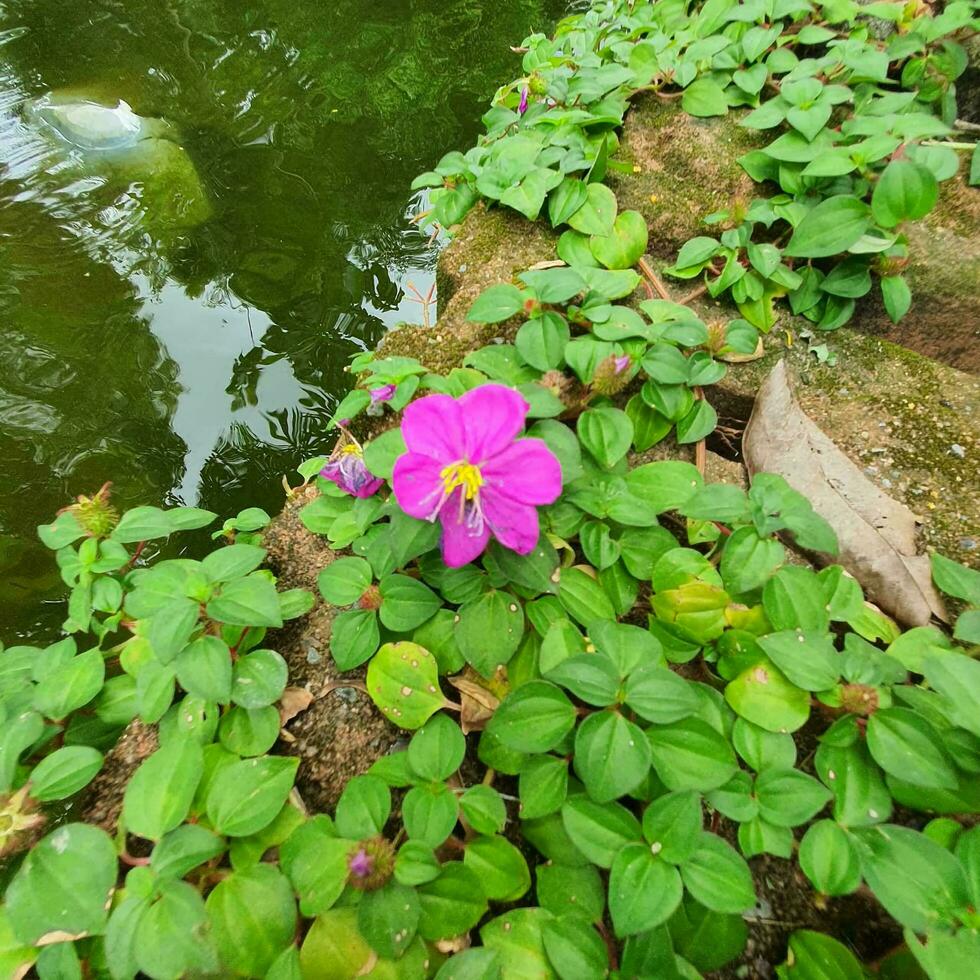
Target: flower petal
461,542
514,525
417,485
433,426
526,471
493,416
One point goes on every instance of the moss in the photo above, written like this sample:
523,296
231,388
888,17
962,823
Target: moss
683,169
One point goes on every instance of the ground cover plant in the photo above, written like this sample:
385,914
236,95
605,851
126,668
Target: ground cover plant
617,685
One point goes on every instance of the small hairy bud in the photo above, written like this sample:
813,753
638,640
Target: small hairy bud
859,699
612,375
537,84
371,864
20,822
96,514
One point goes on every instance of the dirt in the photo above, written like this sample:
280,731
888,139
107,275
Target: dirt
341,733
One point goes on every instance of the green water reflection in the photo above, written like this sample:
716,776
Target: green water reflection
196,360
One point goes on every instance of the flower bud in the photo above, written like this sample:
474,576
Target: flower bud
612,374
95,513
371,864
859,699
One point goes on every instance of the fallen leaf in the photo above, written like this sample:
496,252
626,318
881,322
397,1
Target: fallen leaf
876,533
547,264
59,936
294,701
478,704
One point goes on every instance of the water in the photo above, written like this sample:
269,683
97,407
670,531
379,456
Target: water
185,336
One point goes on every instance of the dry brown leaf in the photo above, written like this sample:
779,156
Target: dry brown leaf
478,704
876,533
59,936
294,701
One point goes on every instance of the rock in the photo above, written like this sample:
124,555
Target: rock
685,168
94,137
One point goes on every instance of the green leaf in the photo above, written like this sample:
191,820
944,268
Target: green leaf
232,561
142,524
63,885
403,681
816,956
64,772
606,433
833,226
566,890
259,678
249,731
245,796
788,797
749,559
171,937
534,718
517,940
672,825
955,579
957,678
250,601
500,867
599,830
597,216
573,950
65,530
542,340
665,485
906,745
897,296
829,859
762,695
644,890
489,630
904,191
416,863
354,638
542,786
484,809
717,876
71,685
659,695
406,603
612,757
315,860
184,849
582,597
159,795
704,98
554,286
436,750
388,919
363,808
808,659
253,918
690,754
625,246
204,669
860,795
566,199
344,580
917,881
592,679
452,903
496,304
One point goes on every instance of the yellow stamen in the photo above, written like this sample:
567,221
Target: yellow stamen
350,450
464,475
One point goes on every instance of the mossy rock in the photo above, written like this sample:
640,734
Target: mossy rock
908,422
683,169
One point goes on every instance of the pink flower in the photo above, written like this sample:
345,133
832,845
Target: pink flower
522,107
361,863
382,394
346,468
622,363
466,466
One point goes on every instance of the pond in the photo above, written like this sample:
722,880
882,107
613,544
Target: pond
176,319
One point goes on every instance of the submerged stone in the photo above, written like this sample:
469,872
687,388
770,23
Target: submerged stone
94,138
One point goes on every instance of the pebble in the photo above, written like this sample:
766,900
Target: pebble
957,450
967,544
